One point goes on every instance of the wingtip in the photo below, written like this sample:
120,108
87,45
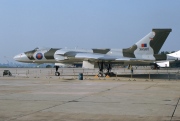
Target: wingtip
162,29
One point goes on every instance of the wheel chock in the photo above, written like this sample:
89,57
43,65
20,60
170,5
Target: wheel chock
107,76
96,76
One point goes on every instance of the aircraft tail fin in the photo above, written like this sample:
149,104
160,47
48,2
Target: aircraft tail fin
158,40
148,45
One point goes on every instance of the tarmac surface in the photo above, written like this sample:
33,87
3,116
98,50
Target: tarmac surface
34,97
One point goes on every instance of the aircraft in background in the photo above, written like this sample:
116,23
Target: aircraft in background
144,52
168,59
174,55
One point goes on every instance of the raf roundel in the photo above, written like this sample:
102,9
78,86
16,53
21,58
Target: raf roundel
39,56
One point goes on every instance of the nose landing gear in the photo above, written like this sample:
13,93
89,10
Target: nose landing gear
57,73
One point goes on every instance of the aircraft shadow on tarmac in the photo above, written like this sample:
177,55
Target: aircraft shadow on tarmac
152,76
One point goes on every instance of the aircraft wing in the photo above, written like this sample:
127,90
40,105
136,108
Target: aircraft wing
105,57
89,59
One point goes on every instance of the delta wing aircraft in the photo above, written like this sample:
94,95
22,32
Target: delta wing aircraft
145,51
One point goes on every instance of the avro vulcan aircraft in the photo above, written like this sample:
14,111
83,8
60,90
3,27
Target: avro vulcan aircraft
145,51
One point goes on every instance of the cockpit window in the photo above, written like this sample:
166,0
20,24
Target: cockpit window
36,48
41,48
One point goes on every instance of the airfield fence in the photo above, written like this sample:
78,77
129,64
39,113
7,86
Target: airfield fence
168,73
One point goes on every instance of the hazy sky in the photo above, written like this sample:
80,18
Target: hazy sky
26,24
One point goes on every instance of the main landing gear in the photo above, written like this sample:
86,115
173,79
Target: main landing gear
104,70
57,73
107,71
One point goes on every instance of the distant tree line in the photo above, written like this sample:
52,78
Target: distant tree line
166,52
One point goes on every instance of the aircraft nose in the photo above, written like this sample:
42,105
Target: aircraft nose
21,57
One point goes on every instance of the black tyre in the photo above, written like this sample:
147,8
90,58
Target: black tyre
57,74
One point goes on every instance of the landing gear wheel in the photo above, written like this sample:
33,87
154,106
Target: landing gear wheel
110,74
101,74
57,74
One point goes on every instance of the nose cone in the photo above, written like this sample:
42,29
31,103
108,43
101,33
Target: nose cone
21,57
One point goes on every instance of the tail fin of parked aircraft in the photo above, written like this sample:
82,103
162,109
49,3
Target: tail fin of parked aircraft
149,45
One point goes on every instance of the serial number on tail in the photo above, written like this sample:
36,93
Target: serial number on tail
143,49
